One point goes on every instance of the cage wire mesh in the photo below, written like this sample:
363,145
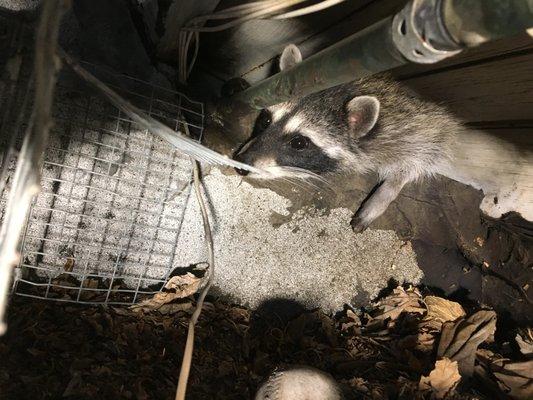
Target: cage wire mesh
105,226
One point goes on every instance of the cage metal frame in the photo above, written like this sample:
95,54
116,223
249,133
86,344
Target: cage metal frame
75,277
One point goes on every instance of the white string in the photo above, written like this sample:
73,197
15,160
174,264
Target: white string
308,10
272,9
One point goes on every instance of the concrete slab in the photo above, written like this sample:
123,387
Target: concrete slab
313,257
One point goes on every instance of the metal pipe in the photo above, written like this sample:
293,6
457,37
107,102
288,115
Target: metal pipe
424,31
365,53
472,22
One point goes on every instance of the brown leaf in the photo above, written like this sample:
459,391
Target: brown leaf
441,310
517,377
183,285
73,385
351,323
460,339
177,287
90,283
399,301
239,314
359,384
426,341
296,327
525,343
514,379
69,265
443,379
173,308
328,327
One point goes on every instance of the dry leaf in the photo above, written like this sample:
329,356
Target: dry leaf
90,283
514,379
183,285
352,322
443,379
399,301
173,308
177,287
525,343
460,339
441,310
359,384
425,342
69,265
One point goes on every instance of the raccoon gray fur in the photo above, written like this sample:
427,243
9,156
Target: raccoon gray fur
369,125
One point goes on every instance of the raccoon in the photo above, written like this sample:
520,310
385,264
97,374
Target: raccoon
369,125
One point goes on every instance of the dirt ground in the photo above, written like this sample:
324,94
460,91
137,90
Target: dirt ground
387,350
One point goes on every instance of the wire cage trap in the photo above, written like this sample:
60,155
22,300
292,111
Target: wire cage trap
105,226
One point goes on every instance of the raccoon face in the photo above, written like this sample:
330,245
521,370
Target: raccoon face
315,134
285,146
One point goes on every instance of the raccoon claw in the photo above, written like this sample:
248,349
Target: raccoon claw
358,225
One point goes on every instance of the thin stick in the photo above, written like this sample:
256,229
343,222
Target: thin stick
189,345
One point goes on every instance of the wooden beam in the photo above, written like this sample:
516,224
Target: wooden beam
501,89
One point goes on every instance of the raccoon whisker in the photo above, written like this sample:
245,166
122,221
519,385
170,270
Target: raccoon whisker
320,186
281,183
276,180
300,183
304,182
308,177
278,184
276,174
304,173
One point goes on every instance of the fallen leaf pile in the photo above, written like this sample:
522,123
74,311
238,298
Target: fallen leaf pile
436,338
405,346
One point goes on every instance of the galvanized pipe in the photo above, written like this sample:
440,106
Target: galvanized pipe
425,31
472,22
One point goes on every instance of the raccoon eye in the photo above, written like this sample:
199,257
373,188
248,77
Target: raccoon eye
299,142
262,122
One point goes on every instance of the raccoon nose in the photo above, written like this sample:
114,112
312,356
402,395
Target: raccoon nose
240,158
242,172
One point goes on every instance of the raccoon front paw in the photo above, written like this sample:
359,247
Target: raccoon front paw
358,224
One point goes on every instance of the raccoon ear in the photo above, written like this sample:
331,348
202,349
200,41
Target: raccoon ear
363,112
290,57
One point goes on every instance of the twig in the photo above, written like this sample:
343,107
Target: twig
189,345
26,182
